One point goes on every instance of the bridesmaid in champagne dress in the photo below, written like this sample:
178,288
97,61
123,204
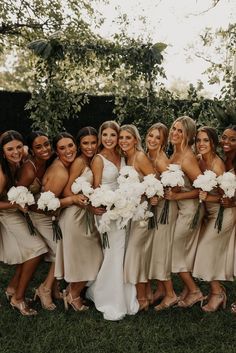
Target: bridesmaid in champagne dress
228,144
79,254
161,255
182,134
30,175
214,257
138,252
18,246
109,293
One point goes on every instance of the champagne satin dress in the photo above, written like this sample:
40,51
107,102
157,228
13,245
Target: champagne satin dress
79,254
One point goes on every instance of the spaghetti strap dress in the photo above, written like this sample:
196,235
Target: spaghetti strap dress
109,293
185,239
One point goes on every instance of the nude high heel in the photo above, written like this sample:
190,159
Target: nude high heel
76,303
44,295
219,300
191,299
23,308
143,304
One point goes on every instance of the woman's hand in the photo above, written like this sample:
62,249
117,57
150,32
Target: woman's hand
98,211
154,200
227,202
80,200
203,195
20,208
171,194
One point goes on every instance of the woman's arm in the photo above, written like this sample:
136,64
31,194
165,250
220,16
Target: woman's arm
191,168
97,169
26,175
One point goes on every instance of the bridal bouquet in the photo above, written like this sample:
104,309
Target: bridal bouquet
153,187
172,177
82,186
103,197
22,196
227,183
49,202
206,182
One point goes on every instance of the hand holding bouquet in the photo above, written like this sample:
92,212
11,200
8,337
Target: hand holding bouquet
206,182
49,202
23,197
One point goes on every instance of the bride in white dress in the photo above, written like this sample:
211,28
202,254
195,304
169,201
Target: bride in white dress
109,293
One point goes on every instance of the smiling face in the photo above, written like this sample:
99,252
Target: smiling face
127,141
41,148
88,145
66,150
228,140
109,138
154,140
203,143
177,133
13,151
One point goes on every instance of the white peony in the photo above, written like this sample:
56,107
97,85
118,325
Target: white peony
173,176
206,181
20,195
153,186
81,185
48,201
227,182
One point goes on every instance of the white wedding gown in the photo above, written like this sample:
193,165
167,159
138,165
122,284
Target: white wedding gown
109,293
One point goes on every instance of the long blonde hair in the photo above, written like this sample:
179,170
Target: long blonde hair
134,132
189,130
163,130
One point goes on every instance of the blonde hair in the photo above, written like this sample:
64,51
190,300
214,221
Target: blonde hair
134,132
107,124
189,130
164,131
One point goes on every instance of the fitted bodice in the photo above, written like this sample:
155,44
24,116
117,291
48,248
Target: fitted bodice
87,174
110,173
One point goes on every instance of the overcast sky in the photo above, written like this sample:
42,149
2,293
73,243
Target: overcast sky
177,23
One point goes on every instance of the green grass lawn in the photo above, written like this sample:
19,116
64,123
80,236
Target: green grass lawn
176,330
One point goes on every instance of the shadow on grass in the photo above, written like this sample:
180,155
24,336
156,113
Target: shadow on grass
176,330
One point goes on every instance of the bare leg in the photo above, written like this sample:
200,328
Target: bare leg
142,296
44,291
27,270
73,297
170,297
160,291
217,297
12,285
194,293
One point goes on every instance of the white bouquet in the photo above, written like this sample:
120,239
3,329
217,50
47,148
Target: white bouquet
103,197
128,175
227,183
81,185
153,187
172,177
206,182
49,202
22,196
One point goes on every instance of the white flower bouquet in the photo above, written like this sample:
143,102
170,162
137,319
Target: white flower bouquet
22,196
82,186
227,183
153,187
49,202
103,197
206,182
172,177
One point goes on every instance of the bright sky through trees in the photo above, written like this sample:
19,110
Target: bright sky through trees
177,23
